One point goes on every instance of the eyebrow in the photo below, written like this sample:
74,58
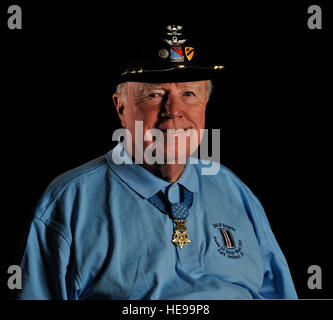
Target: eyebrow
151,87
192,86
158,86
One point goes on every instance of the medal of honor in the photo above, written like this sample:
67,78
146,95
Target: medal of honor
180,237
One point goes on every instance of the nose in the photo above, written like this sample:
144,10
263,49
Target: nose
172,106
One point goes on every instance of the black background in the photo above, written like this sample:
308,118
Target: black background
273,109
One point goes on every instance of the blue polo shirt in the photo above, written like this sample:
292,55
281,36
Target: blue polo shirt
95,235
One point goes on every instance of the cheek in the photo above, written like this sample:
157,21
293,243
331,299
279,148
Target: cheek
141,120
144,113
149,118
198,118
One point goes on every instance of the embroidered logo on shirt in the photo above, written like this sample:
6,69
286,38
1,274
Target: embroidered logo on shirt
226,243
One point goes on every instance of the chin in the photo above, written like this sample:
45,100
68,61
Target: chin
174,151
173,155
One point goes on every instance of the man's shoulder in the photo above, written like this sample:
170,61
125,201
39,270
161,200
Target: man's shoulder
219,175
92,173
89,170
212,170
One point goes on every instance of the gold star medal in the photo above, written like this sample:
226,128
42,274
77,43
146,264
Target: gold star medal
180,237
180,212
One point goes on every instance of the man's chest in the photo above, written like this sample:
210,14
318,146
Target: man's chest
134,257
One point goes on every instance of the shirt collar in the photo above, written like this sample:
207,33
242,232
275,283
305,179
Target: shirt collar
141,180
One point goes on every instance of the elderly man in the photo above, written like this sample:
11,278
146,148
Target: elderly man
125,227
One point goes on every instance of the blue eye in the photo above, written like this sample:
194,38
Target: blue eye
153,95
188,93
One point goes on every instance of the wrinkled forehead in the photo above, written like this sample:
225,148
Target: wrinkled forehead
143,86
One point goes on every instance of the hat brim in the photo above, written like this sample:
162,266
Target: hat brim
174,73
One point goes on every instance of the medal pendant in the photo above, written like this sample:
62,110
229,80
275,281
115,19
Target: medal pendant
180,237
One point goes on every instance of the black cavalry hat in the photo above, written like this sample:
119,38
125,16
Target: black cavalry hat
169,52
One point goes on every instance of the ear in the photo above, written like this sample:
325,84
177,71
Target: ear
118,103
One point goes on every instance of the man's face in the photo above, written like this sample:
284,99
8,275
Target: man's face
167,107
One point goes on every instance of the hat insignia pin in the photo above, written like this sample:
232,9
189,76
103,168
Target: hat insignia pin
189,52
176,51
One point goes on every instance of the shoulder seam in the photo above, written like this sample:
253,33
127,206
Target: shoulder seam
64,237
48,225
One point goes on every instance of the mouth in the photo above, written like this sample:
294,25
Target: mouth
179,130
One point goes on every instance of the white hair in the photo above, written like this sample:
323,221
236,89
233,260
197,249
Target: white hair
209,84
121,89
